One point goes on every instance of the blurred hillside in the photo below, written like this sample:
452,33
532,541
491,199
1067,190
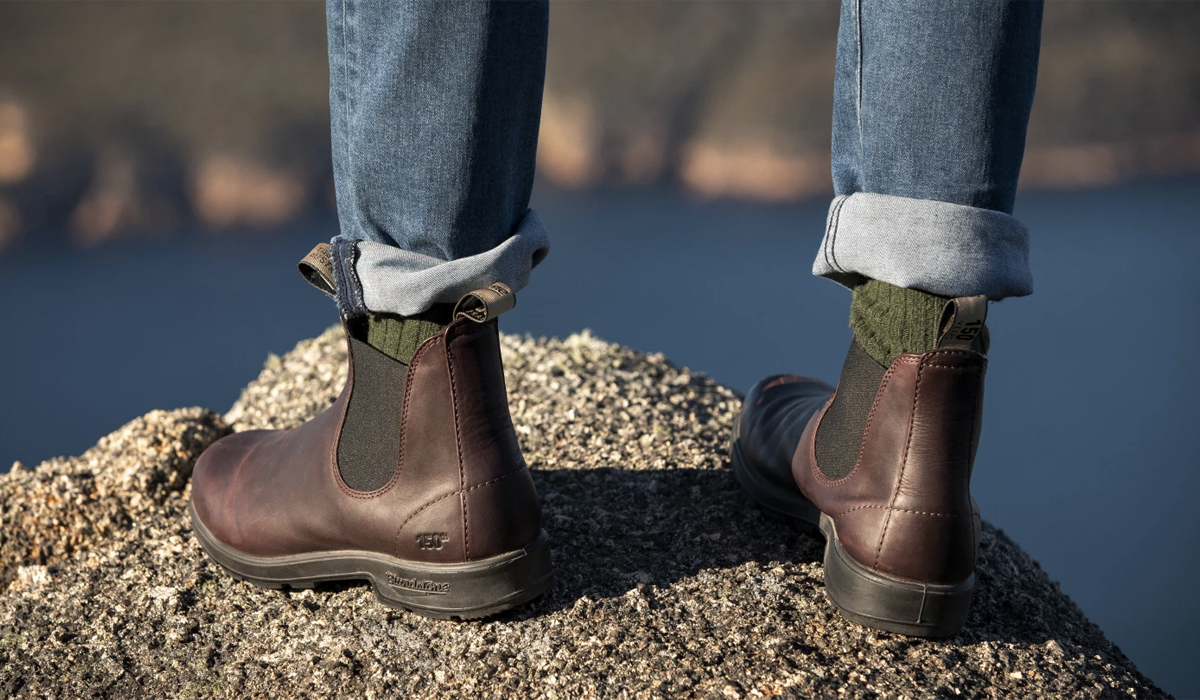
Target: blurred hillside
120,118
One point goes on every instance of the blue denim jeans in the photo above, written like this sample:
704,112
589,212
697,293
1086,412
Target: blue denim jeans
931,101
435,108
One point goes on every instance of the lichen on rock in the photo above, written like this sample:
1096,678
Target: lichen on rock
669,582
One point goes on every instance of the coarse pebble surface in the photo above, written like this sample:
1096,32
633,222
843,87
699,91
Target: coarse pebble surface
669,583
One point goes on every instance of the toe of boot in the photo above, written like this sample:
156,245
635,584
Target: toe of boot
214,481
773,418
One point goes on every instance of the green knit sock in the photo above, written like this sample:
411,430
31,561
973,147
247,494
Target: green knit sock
399,337
889,321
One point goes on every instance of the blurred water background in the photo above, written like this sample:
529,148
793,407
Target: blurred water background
163,165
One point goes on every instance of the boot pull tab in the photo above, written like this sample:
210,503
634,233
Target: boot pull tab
485,304
317,269
962,322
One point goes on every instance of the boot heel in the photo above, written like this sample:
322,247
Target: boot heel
467,591
904,607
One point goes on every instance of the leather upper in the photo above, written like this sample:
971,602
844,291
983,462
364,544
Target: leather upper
773,420
460,492
905,510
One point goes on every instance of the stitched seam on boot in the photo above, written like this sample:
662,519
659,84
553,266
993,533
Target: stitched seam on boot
912,417
812,444
439,499
979,360
972,446
978,364
905,510
462,477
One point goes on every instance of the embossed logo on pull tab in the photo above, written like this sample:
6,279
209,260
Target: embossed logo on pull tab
485,304
317,269
966,316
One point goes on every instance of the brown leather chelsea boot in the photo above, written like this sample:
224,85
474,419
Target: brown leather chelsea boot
412,480
884,474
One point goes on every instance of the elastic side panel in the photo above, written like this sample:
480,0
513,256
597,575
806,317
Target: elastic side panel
840,434
369,446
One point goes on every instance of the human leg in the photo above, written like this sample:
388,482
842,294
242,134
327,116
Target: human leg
435,109
413,478
931,104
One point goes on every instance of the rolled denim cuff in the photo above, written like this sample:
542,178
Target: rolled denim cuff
946,249
373,277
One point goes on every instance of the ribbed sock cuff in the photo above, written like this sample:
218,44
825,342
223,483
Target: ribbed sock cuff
399,337
889,321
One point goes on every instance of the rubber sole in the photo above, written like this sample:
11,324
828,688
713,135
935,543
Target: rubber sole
861,595
464,591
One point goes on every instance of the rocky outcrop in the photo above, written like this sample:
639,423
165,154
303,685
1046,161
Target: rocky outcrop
669,582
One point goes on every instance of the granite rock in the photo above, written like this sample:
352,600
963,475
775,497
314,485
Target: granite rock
669,582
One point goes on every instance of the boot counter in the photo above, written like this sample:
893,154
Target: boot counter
930,531
486,520
906,509
502,511
501,515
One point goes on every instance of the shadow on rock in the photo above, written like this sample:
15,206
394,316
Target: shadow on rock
614,530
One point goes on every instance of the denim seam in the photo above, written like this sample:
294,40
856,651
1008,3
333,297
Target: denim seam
347,97
859,75
345,277
340,287
356,290
833,239
834,223
825,239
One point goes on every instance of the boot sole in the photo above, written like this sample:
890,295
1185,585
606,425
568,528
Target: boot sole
465,591
861,595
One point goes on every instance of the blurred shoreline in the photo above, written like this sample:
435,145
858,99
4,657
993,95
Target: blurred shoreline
122,119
